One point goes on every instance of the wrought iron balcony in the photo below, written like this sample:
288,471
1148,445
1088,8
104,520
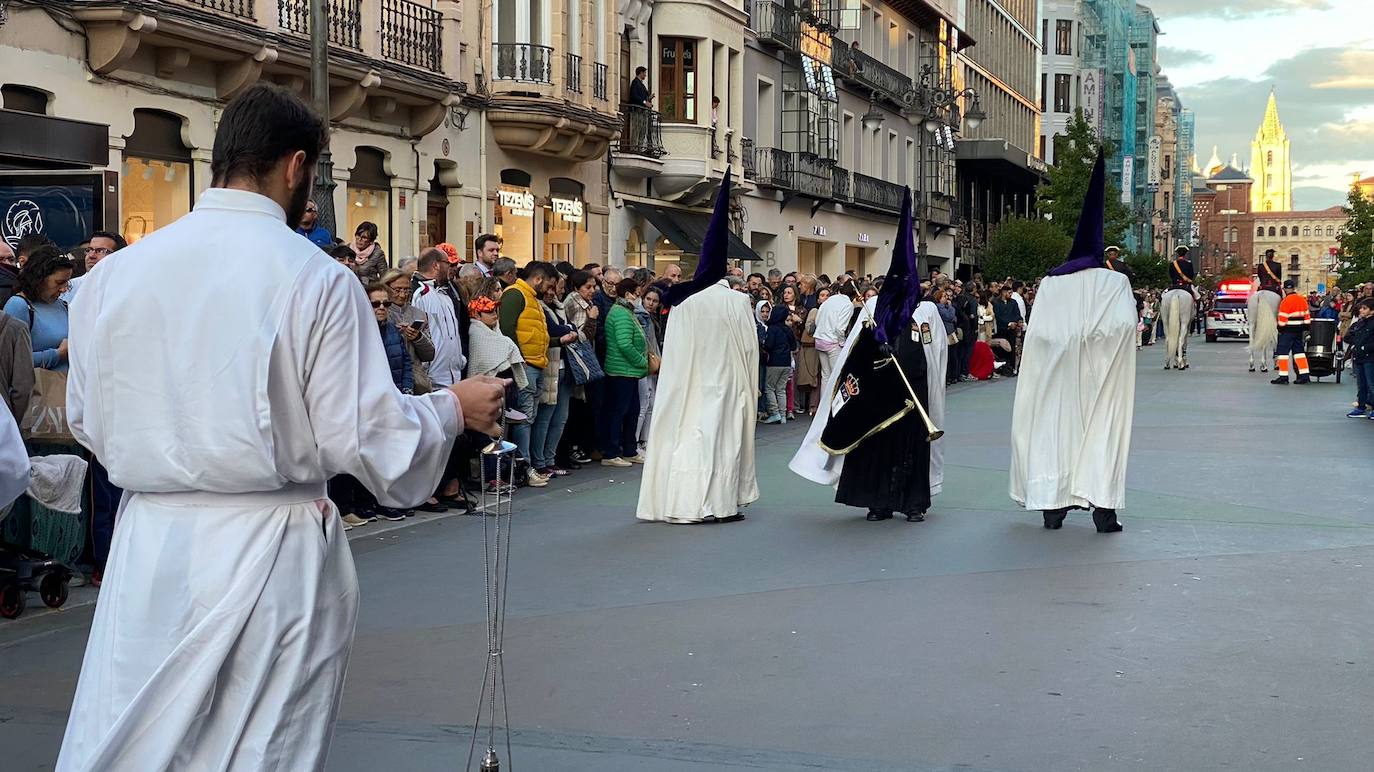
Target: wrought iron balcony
746,148
412,34
775,24
242,9
810,175
642,132
345,20
600,81
860,68
572,73
523,62
839,184
877,194
772,167
941,210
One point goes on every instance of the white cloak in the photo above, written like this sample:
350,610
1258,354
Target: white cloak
14,462
701,437
1075,395
815,464
221,401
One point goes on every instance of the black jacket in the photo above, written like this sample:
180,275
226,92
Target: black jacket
639,93
1359,340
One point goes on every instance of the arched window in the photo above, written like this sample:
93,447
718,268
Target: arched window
1283,230
157,186
1272,231
369,196
1307,231
1235,235
24,99
1269,158
1259,230
1330,230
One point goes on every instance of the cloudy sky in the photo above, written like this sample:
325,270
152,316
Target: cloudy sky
1317,55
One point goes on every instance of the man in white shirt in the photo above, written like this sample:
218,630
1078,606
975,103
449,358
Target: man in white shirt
223,631
832,327
447,367
1016,287
488,247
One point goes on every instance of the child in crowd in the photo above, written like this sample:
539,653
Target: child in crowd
779,344
1359,343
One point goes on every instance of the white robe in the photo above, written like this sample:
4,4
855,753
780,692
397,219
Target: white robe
14,462
1075,395
815,464
701,438
221,400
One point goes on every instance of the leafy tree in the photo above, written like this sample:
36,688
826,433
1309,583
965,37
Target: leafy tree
1075,151
1024,248
1150,270
1356,264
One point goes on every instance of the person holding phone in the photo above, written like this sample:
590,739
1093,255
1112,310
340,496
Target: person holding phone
413,325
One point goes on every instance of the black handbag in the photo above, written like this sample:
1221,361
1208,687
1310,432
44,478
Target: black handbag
583,364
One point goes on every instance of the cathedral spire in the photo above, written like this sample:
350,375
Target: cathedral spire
1271,163
1270,127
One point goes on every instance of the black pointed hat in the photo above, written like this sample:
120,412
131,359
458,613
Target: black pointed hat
714,246
901,290
1088,240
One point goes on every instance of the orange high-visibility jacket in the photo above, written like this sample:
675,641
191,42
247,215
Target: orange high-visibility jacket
1294,314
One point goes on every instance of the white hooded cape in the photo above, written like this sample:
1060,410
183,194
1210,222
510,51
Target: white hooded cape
818,466
701,438
1075,395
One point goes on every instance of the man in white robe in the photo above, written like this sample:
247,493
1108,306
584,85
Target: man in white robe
937,367
1075,397
700,466
224,624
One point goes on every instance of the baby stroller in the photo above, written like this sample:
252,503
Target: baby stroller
25,570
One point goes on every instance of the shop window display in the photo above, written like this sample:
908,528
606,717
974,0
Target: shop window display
153,193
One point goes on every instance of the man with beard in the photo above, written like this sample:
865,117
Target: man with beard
869,438
230,597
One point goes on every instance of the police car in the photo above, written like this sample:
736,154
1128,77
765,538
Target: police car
1228,319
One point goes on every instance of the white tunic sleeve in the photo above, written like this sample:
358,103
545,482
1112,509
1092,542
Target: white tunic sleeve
14,461
395,444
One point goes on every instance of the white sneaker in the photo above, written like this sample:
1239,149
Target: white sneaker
615,462
351,520
639,459
536,480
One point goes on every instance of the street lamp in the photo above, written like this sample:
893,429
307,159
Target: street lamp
319,96
873,119
975,114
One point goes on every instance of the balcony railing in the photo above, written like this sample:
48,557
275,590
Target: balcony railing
811,175
746,148
572,74
772,167
775,23
839,184
345,20
942,210
523,62
240,8
600,81
412,34
877,194
641,133
858,67
715,146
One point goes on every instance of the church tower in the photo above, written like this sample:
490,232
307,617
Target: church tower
1270,164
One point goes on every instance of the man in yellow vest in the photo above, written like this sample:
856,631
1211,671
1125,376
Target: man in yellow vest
521,317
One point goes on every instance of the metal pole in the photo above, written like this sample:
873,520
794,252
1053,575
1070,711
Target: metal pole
921,211
319,92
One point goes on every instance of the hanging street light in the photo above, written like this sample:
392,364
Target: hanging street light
873,119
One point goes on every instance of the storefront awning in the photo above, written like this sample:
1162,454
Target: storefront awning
687,229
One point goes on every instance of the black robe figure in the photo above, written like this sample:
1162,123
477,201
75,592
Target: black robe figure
888,468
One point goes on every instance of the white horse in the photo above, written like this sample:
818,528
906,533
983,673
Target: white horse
1176,310
1262,314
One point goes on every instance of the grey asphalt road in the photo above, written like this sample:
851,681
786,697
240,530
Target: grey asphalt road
1229,627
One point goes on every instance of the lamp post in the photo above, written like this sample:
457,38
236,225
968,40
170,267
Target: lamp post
930,119
319,97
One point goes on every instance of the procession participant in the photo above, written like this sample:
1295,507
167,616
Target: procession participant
1294,317
937,352
869,439
1114,262
1176,309
1262,310
700,465
222,635
834,320
1071,417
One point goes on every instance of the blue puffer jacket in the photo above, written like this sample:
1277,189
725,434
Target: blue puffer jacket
397,357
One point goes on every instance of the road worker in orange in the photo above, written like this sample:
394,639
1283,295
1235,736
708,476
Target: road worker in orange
1294,318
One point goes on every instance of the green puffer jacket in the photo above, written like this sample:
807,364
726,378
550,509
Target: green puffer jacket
626,354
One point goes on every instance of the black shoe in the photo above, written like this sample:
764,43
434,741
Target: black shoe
915,517
1252,368
1282,380
435,507
1054,518
712,519
1302,379
1105,520
387,513
874,515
